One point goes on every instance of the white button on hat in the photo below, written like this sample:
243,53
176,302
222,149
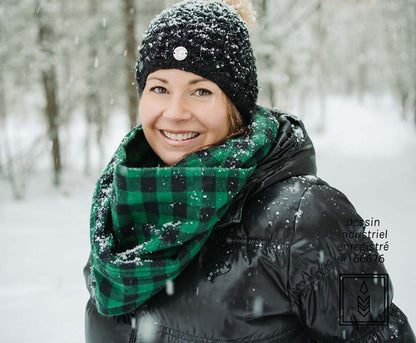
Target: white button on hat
180,53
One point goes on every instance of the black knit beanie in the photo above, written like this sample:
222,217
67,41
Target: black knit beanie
207,38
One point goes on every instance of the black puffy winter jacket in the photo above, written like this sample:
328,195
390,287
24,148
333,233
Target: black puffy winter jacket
283,265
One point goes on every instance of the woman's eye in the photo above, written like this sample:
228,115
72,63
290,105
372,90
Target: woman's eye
158,90
202,92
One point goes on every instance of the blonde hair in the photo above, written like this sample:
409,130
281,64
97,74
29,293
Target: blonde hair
236,120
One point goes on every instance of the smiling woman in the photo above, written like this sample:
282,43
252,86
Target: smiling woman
209,224
182,113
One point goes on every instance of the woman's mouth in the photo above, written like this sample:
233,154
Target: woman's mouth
183,136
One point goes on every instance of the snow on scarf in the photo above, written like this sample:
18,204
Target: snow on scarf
148,222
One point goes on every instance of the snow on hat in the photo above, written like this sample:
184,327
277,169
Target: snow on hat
207,38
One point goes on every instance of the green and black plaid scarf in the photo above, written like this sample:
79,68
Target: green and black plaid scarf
148,222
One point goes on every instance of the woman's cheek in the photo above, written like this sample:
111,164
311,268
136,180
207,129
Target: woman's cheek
147,111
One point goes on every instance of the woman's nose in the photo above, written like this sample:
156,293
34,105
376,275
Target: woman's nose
177,109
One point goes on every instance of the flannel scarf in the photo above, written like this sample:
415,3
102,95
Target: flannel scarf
148,222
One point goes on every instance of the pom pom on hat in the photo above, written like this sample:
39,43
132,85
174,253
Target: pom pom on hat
207,38
245,10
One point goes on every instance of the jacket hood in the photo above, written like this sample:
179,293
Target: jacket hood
293,154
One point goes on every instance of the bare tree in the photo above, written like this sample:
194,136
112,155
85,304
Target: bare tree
17,167
67,102
93,108
45,40
129,19
321,63
2,85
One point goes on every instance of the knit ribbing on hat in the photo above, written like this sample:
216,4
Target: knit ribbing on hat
214,43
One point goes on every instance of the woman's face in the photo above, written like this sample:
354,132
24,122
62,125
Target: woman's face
182,112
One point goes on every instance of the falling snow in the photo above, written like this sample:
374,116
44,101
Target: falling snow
170,287
52,217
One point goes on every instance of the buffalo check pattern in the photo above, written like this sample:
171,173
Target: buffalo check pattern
148,221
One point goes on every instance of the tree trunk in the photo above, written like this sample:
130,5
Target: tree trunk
2,109
270,87
129,19
414,109
49,85
50,89
404,95
264,6
321,70
67,86
362,81
411,24
93,112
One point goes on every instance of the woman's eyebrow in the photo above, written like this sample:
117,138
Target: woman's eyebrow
192,82
157,78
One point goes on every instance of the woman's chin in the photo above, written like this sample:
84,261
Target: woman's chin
170,158
172,151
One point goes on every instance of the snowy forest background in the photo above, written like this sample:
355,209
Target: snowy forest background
67,97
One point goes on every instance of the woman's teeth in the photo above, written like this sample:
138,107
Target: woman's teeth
180,136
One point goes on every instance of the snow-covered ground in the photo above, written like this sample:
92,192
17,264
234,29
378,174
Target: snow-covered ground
367,152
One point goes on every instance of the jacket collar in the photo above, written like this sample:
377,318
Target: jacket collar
292,155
